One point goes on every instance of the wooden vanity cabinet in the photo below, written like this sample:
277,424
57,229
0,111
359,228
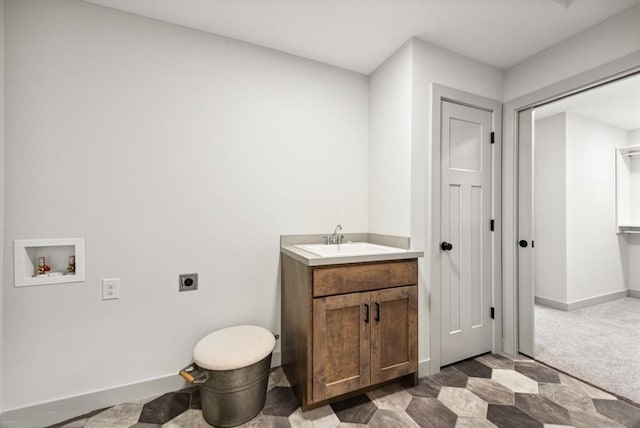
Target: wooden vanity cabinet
351,326
341,345
394,335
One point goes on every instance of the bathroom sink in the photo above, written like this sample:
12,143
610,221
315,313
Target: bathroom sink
348,249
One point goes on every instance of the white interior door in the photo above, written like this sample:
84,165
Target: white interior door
465,262
525,233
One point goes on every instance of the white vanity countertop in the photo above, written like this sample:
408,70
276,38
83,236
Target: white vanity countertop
350,252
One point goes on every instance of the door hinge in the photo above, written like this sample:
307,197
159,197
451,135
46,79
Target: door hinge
493,313
493,137
492,225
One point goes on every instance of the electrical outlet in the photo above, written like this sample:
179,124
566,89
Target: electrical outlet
187,281
111,289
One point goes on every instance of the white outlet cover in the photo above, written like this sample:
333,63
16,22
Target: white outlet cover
111,289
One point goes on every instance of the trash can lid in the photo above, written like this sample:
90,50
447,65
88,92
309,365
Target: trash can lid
233,347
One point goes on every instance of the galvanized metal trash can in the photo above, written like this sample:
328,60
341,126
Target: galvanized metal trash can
232,367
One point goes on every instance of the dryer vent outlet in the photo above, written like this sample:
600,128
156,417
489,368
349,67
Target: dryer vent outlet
188,281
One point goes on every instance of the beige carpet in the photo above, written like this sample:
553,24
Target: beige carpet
599,344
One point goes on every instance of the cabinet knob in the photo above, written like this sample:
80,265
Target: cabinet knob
446,246
377,317
523,243
366,313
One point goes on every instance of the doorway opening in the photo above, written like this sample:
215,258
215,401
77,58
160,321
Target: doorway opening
583,262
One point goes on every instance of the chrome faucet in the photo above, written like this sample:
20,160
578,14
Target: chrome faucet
334,238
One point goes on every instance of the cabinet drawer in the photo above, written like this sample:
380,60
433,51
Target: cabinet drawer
348,279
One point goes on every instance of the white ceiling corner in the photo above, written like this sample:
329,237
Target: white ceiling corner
359,35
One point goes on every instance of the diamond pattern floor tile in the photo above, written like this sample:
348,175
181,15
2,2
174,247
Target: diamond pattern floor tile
581,419
80,423
195,402
449,376
568,398
473,423
537,372
473,368
191,418
496,361
358,409
277,378
557,426
463,402
165,407
426,388
122,415
431,413
323,417
620,411
267,421
491,391
515,381
584,388
280,402
390,397
511,417
543,409
390,419
484,392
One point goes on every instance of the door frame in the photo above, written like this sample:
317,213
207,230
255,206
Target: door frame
443,93
609,72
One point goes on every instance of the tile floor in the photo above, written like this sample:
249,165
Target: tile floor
487,391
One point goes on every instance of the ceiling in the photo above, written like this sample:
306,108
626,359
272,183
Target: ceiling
617,104
359,35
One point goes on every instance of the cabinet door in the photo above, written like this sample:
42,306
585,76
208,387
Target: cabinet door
341,344
394,333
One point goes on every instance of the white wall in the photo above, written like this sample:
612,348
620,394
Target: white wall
578,253
400,127
635,189
550,214
634,264
596,255
170,150
2,160
421,64
612,39
634,240
634,140
432,64
437,65
390,145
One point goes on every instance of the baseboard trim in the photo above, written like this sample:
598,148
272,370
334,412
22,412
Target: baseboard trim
550,303
424,367
584,303
578,304
53,412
